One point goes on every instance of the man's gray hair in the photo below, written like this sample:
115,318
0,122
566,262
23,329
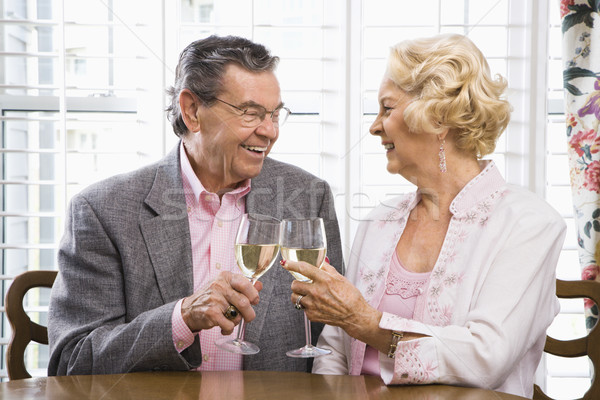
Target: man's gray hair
202,66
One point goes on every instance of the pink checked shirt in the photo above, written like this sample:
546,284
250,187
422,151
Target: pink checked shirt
213,226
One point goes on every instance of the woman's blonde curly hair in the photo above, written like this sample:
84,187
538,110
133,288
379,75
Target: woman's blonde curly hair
449,81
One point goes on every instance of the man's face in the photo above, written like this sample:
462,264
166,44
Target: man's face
225,152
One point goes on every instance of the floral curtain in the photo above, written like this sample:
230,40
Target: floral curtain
581,58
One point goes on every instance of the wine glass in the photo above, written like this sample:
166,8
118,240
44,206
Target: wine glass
304,240
256,248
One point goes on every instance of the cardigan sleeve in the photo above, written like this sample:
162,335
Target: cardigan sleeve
335,363
510,310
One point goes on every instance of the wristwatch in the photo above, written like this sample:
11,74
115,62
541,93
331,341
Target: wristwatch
396,336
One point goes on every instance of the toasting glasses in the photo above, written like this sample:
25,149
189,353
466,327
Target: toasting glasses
304,240
256,248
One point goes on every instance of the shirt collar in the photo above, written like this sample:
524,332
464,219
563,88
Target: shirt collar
197,187
480,188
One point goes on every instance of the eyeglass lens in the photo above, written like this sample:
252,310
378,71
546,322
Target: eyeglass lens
255,115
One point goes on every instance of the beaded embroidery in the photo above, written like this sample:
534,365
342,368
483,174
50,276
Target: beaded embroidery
403,287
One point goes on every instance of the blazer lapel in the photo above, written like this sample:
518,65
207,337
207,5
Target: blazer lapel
167,234
262,198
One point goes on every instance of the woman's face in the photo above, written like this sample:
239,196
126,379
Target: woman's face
408,153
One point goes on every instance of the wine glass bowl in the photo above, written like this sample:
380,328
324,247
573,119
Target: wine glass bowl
314,257
256,248
304,240
255,259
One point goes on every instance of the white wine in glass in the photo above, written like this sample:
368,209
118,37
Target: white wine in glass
256,248
255,259
312,256
304,240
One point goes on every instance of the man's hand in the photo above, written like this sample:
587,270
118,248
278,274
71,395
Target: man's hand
205,308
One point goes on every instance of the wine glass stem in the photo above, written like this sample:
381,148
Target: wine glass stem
240,332
242,326
307,331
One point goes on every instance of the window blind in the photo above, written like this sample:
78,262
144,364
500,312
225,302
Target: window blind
73,112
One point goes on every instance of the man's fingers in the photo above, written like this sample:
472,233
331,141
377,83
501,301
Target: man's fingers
238,291
206,308
242,303
227,326
242,285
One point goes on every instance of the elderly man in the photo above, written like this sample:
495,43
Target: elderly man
147,268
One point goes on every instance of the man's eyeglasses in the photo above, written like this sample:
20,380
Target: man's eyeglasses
252,116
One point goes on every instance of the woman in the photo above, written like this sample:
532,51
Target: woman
454,283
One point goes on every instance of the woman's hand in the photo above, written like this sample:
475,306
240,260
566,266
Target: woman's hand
332,299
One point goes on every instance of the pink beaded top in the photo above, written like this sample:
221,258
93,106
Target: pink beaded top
400,297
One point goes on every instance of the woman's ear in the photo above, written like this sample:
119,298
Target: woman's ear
442,135
189,105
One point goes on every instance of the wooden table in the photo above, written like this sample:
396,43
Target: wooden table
259,385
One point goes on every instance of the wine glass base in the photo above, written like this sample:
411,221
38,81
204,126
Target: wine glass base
237,346
308,352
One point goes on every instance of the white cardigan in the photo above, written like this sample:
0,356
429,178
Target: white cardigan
490,298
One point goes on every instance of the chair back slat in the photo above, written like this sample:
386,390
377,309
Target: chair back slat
588,345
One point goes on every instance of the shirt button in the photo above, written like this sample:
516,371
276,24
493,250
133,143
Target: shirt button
220,224
189,209
206,357
218,265
180,344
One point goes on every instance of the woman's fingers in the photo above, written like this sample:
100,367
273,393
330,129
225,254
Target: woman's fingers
301,267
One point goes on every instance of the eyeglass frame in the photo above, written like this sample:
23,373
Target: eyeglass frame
264,115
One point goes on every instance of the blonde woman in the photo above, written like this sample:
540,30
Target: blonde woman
454,283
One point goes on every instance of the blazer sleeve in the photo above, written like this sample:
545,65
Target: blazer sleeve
89,330
509,314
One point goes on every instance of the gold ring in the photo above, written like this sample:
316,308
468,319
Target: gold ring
299,305
231,312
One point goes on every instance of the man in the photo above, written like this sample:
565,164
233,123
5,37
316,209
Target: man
147,269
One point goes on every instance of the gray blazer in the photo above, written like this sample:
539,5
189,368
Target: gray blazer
125,260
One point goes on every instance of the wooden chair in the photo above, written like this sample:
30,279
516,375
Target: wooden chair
24,330
588,345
